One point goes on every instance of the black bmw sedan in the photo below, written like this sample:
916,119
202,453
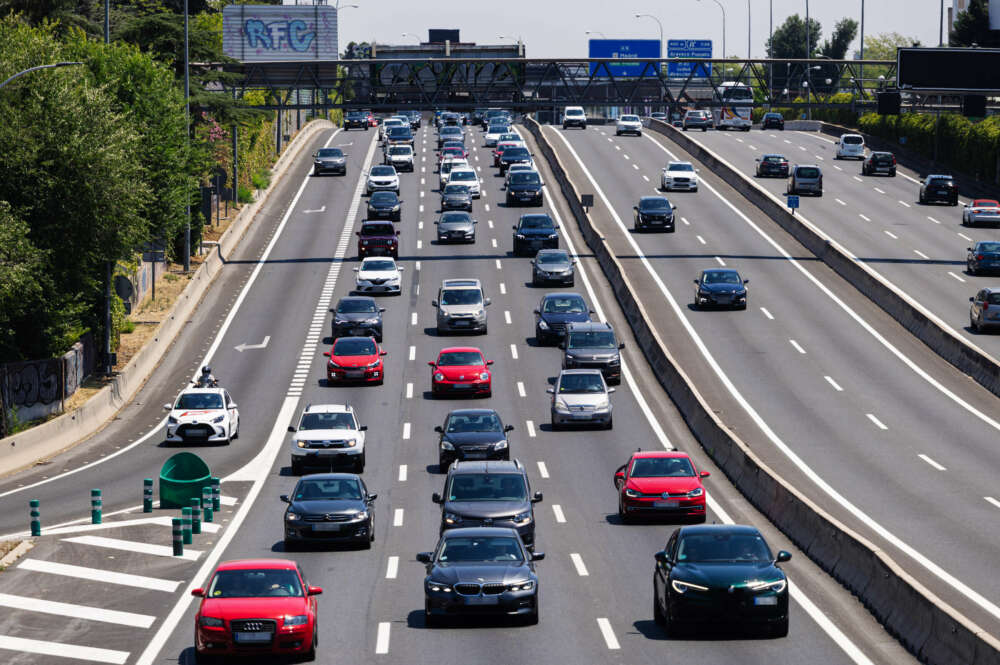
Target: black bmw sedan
327,507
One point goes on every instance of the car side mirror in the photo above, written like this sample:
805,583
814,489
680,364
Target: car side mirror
508,428
514,227
783,556
400,268
431,363
487,301
621,345
550,390
333,310
291,428
620,475
972,299
326,353
167,407
661,557
363,428
746,281
562,345
284,498
424,557
199,592
434,303
489,362
704,474
372,497
439,429
357,270
636,208
436,498
536,497
381,309
537,556
673,206
397,232
234,405
383,353
968,249
610,390
590,311
695,281
537,312
315,590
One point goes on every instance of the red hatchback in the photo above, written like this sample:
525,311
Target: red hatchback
355,359
461,369
256,607
660,483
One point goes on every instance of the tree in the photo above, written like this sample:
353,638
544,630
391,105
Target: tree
972,27
883,47
843,34
22,276
789,39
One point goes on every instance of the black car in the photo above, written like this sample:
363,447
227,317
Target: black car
472,434
772,165
329,159
524,187
984,256
514,155
654,213
534,232
357,316
480,571
879,162
414,117
720,574
329,507
395,135
356,120
553,266
720,287
939,188
772,121
488,493
555,312
456,226
385,205
593,345
456,197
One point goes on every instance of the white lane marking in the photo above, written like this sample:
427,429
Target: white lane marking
406,431
382,639
625,156
920,254
530,426
645,177
880,191
836,386
397,517
543,470
608,633
581,569
503,288
818,157
767,313
490,223
802,148
837,167
787,141
752,147
413,352
520,389
956,277
931,462
63,650
513,351
992,501
423,181
617,147
858,179
635,166
840,202
416,266
701,240
132,546
903,203
422,193
797,346
493,241
892,235
486,207
166,520
558,512
864,217
420,226
721,262
413,318
392,568
76,611
421,208
964,237
409,391
227,500
506,316
402,473
739,140
933,220
498,265
878,423
839,638
420,244
98,575
686,222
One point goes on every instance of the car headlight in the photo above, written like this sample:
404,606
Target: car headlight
480,313
337,321
499,445
333,365
371,321
219,419
361,515
684,587
542,324
452,518
697,491
302,444
374,363
631,493
521,586
447,446
297,620
438,376
171,420
561,406
777,586
522,518
602,405
292,517
351,443
553,236
395,208
519,236
438,586
212,622
483,376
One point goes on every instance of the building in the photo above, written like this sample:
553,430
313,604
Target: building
446,43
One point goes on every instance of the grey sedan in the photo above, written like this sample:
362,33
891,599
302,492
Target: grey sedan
553,265
456,197
984,313
456,226
581,397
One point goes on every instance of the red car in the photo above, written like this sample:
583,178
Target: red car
372,120
255,607
355,359
660,483
461,369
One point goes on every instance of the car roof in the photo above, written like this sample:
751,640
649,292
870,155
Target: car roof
367,299
672,162
245,564
984,202
561,294
463,283
369,259
728,271
644,199
719,528
580,371
328,408
472,412
939,175
353,337
487,466
774,154
552,250
536,214
589,326
806,166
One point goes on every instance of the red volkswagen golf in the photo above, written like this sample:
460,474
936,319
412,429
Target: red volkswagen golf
660,483
256,607
355,359
461,369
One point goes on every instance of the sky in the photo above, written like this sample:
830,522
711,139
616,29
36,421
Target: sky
556,28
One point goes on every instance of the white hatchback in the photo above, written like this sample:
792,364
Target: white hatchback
378,274
465,175
204,415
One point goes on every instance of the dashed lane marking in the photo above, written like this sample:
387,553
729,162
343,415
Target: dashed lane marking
530,426
392,568
608,633
934,464
836,386
581,568
878,423
558,512
402,473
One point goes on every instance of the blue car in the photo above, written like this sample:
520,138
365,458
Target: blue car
555,312
984,256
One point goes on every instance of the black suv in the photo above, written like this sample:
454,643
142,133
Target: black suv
524,187
939,188
654,212
534,232
356,120
471,434
593,345
488,494
772,121
879,162
357,316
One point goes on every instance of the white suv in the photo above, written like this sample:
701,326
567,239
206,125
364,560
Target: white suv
400,157
378,274
203,415
382,177
629,124
465,175
679,175
574,116
461,306
328,436
851,146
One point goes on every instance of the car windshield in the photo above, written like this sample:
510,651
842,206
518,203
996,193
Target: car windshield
356,307
525,178
451,131
773,158
536,222
680,167
630,118
399,132
387,198
852,140
721,277
400,150
378,265
881,156
993,298
329,152
654,203
807,172
510,137
465,549
662,467
515,152
722,548
382,170
581,383
603,339
497,129
199,401
574,112
347,346
257,583
455,218
988,247
455,189
452,150
461,297
487,487
564,305
552,257
473,422
313,489
459,359
326,421
377,229
463,175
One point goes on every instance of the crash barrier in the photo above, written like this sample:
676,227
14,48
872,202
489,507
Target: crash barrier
183,478
929,628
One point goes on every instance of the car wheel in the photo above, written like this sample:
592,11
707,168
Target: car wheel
892,173
970,269
359,465
290,546
704,129
572,282
310,656
622,515
922,200
973,324
658,616
953,203
532,619
583,126
204,658
780,629
611,423
684,128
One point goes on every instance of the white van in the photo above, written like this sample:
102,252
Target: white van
574,116
851,146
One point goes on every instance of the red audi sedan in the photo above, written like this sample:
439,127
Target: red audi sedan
660,483
355,359
256,607
461,369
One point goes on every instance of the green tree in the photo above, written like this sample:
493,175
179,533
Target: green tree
843,34
883,47
22,278
789,41
972,27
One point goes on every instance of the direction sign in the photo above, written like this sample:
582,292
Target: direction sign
793,202
688,48
627,50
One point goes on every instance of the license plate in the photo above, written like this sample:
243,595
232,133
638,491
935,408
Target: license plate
354,375
326,527
475,456
357,331
665,504
765,600
252,637
462,386
483,600
461,323
581,416
536,243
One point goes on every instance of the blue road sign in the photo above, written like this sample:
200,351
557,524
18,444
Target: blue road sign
793,201
688,48
627,50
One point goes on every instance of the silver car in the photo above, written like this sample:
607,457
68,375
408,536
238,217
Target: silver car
805,179
328,436
984,313
581,397
461,306
456,226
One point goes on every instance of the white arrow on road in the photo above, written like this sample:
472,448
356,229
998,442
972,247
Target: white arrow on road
322,209
243,347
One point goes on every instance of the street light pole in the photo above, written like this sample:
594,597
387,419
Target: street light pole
862,71
187,134
107,21
596,32
34,69
658,24
408,34
941,26
723,29
748,29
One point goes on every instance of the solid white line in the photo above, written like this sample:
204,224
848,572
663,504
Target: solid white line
513,351
821,619
837,167
797,346
382,640
62,650
920,254
402,473
645,177
892,235
878,423
530,426
392,568
836,386
409,391
581,569
767,313
558,512
98,575
956,277
397,517
863,217
520,389
506,316
413,352
995,503
76,611
931,462
609,635
133,546
406,431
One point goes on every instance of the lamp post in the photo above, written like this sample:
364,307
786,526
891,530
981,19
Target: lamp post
723,26
660,25
862,72
748,29
35,69
187,134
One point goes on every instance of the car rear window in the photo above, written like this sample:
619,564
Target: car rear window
941,181
852,140
776,159
989,247
377,230
661,467
807,172
993,298
985,203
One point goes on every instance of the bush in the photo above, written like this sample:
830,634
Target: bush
261,179
244,194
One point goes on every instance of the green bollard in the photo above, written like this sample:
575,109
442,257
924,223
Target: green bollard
95,506
147,495
206,503
216,495
196,517
186,524
178,537
36,517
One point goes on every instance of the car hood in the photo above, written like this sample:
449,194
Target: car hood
382,205
660,485
596,353
352,317
453,196
327,435
331,506
383,178
378,274
524,187
354,361
329,159
565,317
196,415
561,266
722,288
582,399
537,233
461,309
254,608
461,372
479,573
484,509
472,438
725,575
454,226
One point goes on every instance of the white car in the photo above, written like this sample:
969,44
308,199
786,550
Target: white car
981,211
465,175
679,175
850,146
581,397
378,274
493,135
574,116
387,123
514,168
629,124
328,436
446,167
204,415
399,157
382,177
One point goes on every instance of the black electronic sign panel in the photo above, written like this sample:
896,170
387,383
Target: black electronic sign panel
948,69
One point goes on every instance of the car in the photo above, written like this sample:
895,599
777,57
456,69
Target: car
719,574
414,117
850,146
658,115
493,133
456,197
879,162
329,507
628,124
477,116
697,120
524,186
450,133
720,287
400,157
461,369
984,313
982,257
553,266
388,124
580,397
805,179
494,116
385,205
514,155
356,120
355,359
557,310
454,143
461,306
445,169
372,120
329,159
593,345
480,571
377,238
533,232
357,316
511,136
450,152
456,226
660,483
981,211
401,135
472,434
939,188
771,165
382,178
679,176
654,213
450,119
503,145
466,176
574,116
515,168
327,436
772,121
488,493
378,274
203,415
253,607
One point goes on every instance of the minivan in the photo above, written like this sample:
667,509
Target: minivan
850,146
574,116
806,179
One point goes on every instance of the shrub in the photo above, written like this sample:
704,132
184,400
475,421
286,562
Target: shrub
244,194
261,179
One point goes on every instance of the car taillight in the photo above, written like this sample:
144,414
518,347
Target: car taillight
986,306
979,257
894,161
784,163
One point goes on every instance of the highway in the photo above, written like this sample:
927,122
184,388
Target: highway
596,579
826,387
